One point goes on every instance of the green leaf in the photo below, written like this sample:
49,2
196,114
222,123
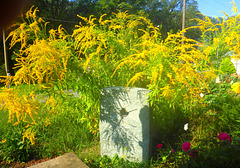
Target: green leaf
164,159
19,143
21,147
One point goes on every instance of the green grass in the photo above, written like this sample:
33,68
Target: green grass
64,134
4,127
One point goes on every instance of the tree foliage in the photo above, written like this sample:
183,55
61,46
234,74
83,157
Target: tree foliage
166,13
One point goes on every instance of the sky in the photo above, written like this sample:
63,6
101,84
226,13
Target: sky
212,7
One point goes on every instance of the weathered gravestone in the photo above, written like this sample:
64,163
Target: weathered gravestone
125,123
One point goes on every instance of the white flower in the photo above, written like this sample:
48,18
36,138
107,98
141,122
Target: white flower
201,94
186,127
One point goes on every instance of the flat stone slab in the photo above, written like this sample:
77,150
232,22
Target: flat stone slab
69,160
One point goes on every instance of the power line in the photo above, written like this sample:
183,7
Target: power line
58,20
210,5
222,4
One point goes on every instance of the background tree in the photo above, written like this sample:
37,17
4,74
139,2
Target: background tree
165,13
168,14
192,12
57,12
133,6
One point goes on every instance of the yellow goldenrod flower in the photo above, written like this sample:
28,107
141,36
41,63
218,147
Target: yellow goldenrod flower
30,135
3,141
234,9
40,20
236,87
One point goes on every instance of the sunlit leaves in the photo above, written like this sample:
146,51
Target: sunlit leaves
221,37
32,28
164,65
23,109
45,62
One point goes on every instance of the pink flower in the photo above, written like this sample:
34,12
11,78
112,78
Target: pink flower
229,139
195,152
192,154
224,136
186,146
173,151
159,146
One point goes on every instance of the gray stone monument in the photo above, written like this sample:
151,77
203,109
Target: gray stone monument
125,123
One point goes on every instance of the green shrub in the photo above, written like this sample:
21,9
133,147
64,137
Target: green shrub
116,162
227,66
222,107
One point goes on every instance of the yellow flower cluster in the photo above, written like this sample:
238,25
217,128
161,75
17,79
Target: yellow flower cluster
45,62
225,33
236,87
93,41
23,109
172,63
42,60
167,64
25,30
86,37
30,135
3,141
20,109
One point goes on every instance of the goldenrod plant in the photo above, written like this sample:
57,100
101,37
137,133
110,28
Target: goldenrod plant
221,37
42,59
130,50
18,108
126,50
105,42
31,28
43,56
21,109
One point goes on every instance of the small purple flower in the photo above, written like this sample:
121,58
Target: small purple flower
173,151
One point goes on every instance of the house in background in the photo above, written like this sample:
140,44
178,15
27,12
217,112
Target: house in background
236,63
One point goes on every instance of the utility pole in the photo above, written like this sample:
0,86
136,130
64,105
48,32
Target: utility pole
5,56
183,19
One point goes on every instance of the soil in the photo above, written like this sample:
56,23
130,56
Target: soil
23,165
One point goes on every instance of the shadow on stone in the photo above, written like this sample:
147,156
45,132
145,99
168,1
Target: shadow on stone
124,123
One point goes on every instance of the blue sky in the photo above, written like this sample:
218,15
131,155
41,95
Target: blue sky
212,7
